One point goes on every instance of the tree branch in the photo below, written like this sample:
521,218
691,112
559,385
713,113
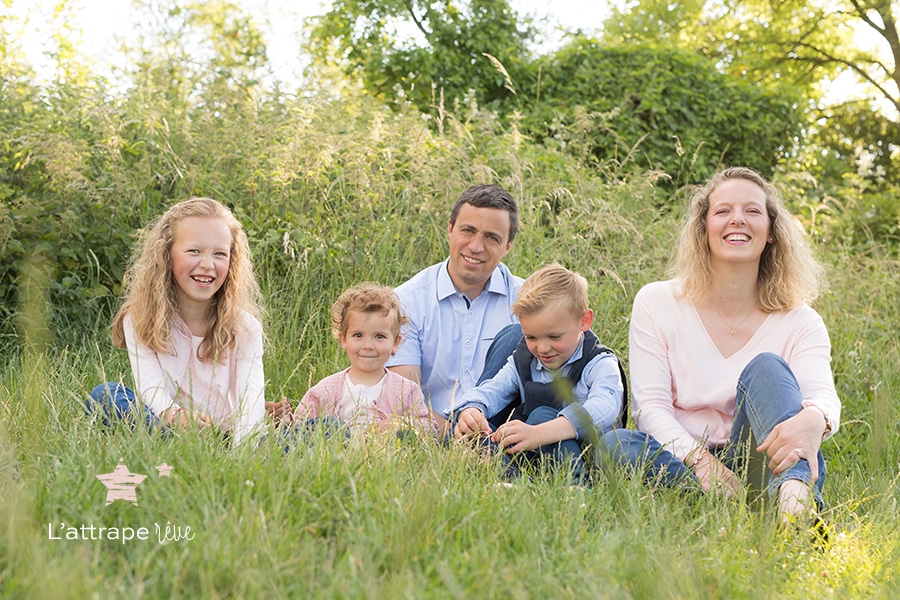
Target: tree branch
412,15
861,13
856,68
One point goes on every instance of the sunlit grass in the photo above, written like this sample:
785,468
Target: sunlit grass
387,519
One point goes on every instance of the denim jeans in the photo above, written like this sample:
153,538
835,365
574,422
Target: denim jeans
500,350
767,394
114,403
305,432
566,453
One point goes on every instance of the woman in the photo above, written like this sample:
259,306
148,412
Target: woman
730,347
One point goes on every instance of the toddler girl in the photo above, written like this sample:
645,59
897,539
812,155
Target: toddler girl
367,321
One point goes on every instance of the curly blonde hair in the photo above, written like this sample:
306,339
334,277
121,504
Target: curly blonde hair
789,274
367,298
150,288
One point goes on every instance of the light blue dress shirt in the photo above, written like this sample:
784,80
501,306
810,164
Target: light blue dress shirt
598,394
449,334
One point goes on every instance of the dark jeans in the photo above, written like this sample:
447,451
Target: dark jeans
566,454
115,403
500,350
767,394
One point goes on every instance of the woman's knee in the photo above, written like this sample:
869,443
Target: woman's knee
765,364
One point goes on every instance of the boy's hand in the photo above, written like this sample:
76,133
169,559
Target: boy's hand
471,421
517,436
280,411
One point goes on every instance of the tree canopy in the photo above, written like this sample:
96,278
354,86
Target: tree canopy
416,50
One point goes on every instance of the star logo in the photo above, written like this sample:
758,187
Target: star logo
121,484
165,470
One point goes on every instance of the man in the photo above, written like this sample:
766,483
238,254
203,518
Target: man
458,307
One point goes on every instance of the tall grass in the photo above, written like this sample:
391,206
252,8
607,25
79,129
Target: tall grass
349,192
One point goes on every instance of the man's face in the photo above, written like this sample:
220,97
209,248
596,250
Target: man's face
478,242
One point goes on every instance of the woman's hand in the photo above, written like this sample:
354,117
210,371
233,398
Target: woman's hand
794,439
714,475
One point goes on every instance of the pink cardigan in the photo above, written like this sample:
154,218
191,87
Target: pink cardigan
400,397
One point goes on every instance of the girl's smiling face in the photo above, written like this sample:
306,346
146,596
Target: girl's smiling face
201,256
737,222
369,341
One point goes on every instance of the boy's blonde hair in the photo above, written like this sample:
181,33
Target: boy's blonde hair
150,287
367,298
789,274
556,286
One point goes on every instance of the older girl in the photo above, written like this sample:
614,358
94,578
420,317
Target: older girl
190,323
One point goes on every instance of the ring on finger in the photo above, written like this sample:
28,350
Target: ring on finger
799,452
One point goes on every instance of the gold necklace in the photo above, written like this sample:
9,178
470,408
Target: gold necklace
733,328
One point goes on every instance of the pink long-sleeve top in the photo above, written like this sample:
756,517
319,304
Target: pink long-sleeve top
684,390
230,390
400,399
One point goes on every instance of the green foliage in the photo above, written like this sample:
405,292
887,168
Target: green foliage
774,42
847,149
81,168
444,61
336,191
661,108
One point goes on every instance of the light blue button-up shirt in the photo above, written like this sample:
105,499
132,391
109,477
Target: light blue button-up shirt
449,334
598,393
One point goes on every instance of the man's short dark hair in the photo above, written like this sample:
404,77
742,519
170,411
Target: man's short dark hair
486,195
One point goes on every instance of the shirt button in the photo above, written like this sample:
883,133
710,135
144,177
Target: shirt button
468,342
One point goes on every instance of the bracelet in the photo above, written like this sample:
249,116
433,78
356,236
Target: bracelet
827,431
698,456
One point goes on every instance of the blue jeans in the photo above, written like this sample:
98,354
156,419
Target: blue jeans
566,453
500,350
767,394
304,432
114,403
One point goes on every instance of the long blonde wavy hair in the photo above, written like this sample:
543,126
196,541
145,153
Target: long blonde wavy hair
150,292
789,274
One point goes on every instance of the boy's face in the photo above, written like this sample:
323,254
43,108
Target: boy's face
370,340
553,334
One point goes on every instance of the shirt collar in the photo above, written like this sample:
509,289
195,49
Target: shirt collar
446,288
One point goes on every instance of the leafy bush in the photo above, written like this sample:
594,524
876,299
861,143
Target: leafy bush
664,109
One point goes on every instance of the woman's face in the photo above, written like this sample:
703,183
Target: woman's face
737,222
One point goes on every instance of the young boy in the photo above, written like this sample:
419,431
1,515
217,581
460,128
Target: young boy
559,389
